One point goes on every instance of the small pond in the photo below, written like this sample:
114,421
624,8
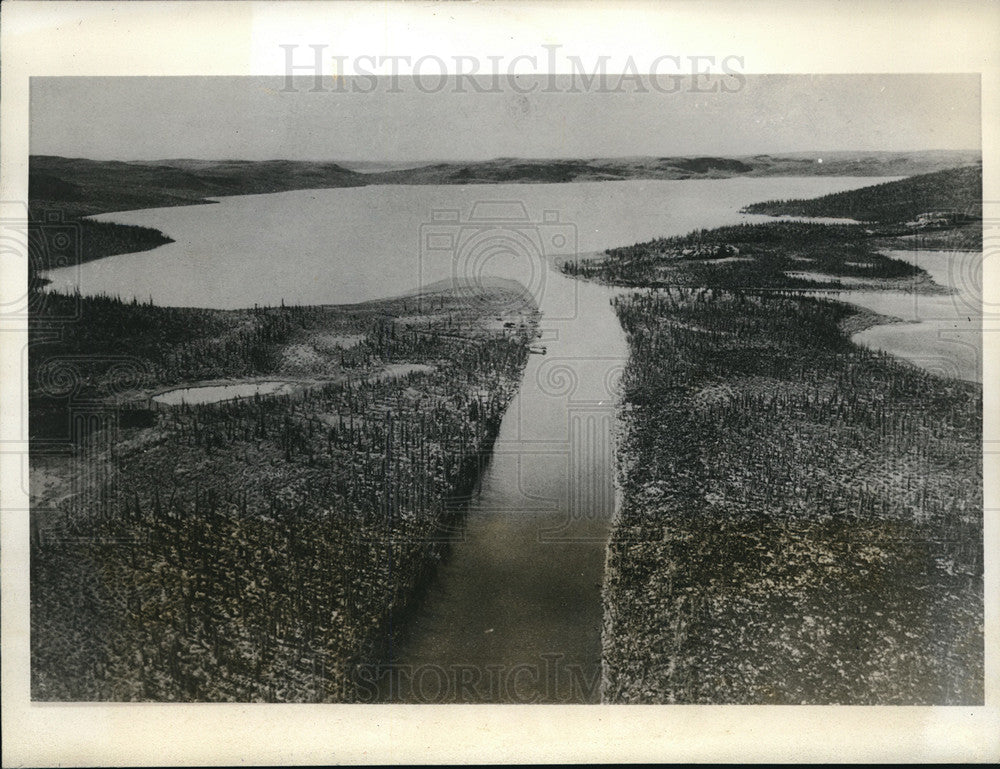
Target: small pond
215,393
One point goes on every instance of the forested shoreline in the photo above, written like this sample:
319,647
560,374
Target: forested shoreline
800,518
257,549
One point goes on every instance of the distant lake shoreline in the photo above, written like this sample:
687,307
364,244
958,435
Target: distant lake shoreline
351,244
347,245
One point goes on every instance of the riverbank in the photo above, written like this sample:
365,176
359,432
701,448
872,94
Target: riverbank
255,549
801,519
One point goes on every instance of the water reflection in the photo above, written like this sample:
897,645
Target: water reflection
515,614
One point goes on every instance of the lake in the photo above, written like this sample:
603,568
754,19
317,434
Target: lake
354,244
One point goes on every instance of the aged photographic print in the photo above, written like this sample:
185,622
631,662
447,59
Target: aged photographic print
547,389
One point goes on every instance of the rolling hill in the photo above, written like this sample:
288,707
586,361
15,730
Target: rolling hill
958,191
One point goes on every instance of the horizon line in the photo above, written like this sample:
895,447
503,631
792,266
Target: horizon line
525,158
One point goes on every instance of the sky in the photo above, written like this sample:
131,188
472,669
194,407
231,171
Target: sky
148,118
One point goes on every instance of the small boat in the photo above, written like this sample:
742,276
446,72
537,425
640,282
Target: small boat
537,349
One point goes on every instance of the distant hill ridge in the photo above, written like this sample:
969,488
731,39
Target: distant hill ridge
958,191
81,187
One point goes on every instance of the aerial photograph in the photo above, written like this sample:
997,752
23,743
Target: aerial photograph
558,394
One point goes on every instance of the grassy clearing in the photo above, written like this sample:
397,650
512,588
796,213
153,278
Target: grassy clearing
801,519
259,549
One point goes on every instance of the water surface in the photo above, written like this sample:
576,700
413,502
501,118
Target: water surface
514,614
942,332
358,243
216,393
